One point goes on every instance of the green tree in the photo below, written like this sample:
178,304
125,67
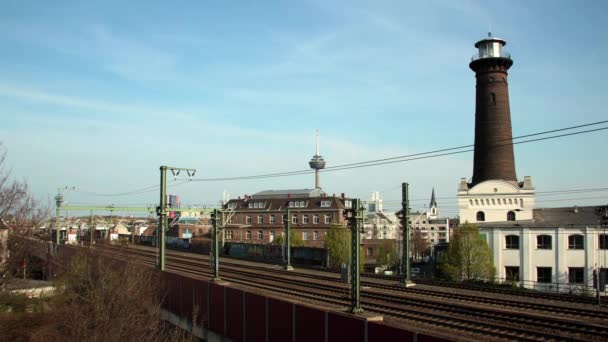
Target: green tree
387,255
469,257
295,237
337,243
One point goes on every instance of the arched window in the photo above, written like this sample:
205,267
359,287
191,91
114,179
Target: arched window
492,99
481,216
511,216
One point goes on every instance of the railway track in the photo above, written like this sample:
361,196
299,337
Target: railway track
409,305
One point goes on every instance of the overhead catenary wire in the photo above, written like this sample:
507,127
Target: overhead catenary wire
390,160
410,157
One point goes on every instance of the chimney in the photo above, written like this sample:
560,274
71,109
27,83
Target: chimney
343,196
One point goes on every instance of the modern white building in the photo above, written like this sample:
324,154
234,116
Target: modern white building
377,223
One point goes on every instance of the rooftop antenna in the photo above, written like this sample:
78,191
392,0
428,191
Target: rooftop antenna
317,134
489,30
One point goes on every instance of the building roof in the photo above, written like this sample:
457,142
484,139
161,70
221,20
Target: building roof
554,217
282,203
300,193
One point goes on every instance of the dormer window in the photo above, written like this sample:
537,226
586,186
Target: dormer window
325,204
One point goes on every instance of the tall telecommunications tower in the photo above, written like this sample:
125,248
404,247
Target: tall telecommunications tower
317,163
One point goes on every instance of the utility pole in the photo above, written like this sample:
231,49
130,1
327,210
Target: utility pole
405,226
354,216
58,202
91,228
162,210
287,241
216,254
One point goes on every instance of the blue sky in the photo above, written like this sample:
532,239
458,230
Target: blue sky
98,96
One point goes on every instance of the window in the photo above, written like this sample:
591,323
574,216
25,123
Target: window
512,242
603,241
511,216
481,216
304,236
512,273
302,204
260,235
272,219
229,235
369,251
543,274
271,236
315,236
248,220
305,219
255,205
576,275
576,242
543,242
325,204
248,235
315,219
492,99
200,232
348,204
260,219
327,219
232,205
250,205
294,219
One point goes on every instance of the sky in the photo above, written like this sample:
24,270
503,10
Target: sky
98,95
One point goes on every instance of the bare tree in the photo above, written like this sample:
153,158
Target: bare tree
420,246
20,214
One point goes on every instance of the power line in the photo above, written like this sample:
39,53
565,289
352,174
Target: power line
415,156
148,189
376,162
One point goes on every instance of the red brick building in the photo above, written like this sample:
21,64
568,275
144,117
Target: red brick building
259,218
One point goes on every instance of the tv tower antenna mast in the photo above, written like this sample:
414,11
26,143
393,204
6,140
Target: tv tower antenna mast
317,163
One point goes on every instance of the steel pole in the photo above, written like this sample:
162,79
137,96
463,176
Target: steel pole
216,253
405,245
91,228
162,216
287,242
355,262
58,201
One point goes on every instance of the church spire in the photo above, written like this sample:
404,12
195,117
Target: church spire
433,201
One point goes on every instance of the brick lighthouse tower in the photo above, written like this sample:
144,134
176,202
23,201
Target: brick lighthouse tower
494,194
493,149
